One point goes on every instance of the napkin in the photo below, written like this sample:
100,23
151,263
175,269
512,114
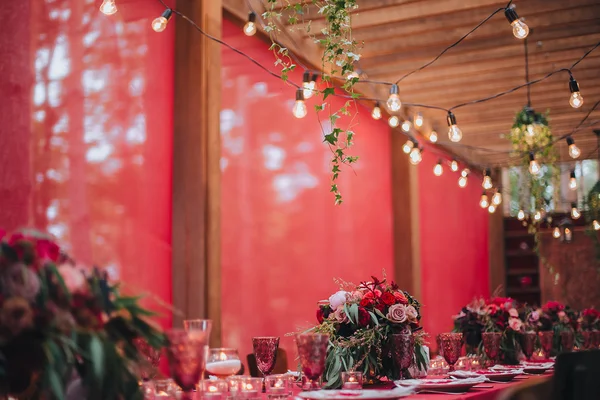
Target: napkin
464,374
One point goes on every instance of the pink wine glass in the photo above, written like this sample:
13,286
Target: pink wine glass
265,351
187,358
451,347
312,351
403,351
528,340
491,345
546,342
150,358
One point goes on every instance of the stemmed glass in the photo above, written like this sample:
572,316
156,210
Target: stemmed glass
451,345
546,341
491,345
312,351
265,351
187,358
403,350
151,358
528,344
567,341
198,325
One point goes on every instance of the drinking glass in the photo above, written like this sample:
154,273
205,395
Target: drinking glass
278,387
587,340
491,345
567,341
595,339
265,351
223,363
198,325
150,359
312,351
403,350
187,358
352,380
528,344
546,340
451,345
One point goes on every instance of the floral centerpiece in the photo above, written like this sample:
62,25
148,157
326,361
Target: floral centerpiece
470,323
502,316
360,320
58,323
589,320
559,318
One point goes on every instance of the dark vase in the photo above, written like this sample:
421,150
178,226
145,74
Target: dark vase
403,352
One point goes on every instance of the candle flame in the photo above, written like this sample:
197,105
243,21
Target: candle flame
223,356
212,389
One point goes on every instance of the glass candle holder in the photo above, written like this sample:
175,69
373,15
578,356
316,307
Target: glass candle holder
463,364
165,389
223,363
250,388
352,380
277,386
294,381
212,389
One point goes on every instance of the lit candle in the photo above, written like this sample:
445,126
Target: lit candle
162,395
223,368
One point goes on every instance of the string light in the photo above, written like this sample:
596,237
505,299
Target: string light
537,216
492,209
160,23
497,198
438,170
308,84
406,125
108,7
574,151
576,99
454,165
415,155
534,167
407,147
521,215
433,137
394,121
376,113
484,203
487,179
556,232
250,27
596,225
463,180
454,132
352,75
299,110
575,214
465,172
520,28
573,181
393,102
419,120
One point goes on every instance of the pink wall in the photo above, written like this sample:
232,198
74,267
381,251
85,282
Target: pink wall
283,238
454,244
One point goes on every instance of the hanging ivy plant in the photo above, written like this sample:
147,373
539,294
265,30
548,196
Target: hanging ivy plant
340,53
592,217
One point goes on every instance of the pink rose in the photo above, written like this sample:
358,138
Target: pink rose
340,315
534,316
515,324
18,280
411,314
513,313
397,313
338,299
356,296
74,278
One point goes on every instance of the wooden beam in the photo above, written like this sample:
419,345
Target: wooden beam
196,171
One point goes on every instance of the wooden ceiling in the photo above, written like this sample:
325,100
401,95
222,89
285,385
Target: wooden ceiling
401,35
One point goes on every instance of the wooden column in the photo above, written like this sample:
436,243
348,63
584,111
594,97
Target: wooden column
196,172
405,205
497,261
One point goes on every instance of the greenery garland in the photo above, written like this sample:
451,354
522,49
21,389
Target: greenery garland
340,52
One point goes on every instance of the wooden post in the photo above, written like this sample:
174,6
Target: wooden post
196,172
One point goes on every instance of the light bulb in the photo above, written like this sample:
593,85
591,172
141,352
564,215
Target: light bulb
497,198
454,165
407,147
160,23
406,126
556,232
108,7
492,208
575,214
376,114
299,110
530,130
438,170
415,156
352,75
596,225
393,102
573,181
462,181
419,120
574,151
394,121
484,203
521,215
520,28
534,167
487,182
464,172
576,99
454,132
433,137
250,27
308,84
537,216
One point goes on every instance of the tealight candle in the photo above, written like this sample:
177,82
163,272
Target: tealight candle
249,388
277,386
352,380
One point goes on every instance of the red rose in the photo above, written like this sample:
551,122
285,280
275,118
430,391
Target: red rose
15,238
373,294
388,299
363,317
47,250
380,307
320,317
366,302
400,297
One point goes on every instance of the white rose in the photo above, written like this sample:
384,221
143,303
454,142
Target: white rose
338,299
513,313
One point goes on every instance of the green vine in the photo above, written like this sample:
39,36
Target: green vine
592,213
340,52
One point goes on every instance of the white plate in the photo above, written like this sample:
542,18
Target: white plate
536,368
367,394
446,385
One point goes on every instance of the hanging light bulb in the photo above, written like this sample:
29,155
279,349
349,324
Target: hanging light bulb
574,151
160,23
463,180
596,225
415,155
521,215
497,198
352,75
393,102
487,179
576,99
419,120
520,28
250,27
537,216
465,172
299,110
484,203
108,7
575,214
438,170
394,121
534,167
308,84
492,208
407,147
376,114
556,232
454,165
433,137
406,125
530,130
573,181
454,132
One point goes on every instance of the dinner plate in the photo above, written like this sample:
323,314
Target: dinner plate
366,394
445,385
536,367
501,374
